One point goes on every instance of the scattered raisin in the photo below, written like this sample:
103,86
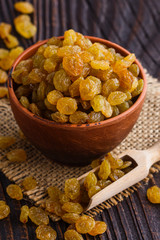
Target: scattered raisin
6,141
24,214
99,228
44,232
38,216
14,191
29,183
17,155
85,224
153,194
72,235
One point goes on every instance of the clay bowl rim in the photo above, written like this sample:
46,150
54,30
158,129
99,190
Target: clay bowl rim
106,122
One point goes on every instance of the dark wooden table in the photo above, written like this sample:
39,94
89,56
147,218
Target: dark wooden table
134,24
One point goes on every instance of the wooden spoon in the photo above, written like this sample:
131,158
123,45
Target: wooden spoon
144,160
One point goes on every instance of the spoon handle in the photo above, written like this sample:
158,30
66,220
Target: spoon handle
153,153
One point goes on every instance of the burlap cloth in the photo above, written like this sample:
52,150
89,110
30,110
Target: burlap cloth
144,134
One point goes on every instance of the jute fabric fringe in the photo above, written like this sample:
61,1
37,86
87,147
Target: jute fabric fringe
143,135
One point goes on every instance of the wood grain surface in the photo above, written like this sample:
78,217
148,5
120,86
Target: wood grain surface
135,25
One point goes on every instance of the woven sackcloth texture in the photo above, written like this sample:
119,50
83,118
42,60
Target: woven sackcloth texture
143,135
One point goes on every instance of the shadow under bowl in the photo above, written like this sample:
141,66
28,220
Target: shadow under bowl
72,144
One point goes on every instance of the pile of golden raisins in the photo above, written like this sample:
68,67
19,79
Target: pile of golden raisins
69,204
26,29
77,81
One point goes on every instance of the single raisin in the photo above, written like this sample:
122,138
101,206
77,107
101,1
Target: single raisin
17,155
24,214
85,224
44,232
90,180
93,190
4,211
70,218
99,228
78,117
72,188
24,7
72,207
72,235
14,191
105,169
6,141
29,183
66,105
153,194
116,174
38,216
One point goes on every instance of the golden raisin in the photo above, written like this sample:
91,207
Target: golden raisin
73,65
24,7
99,228
116,174
89,87
99,103
10,41
78,117
72,235
66,105
5,30
3,53
3,92
4,210
116,98
24,101
70,37
126,164
68,50
24,214
53,193
61,81
6,141
72,188
3,76
63,198
100,64
103,183
44,232
59,117
139,88
54,207
17,155
105,169
85,224
95,117
123,107
14,191
93,190
24,26
29,183
109,86
153,194
70,217
34,109
54,96
38,216
114,162
72,207
90,180
74,87
95,163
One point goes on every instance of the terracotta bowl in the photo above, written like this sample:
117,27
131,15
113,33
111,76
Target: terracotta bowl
73,144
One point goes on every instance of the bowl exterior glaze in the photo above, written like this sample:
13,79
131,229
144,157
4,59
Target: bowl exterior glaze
72,144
